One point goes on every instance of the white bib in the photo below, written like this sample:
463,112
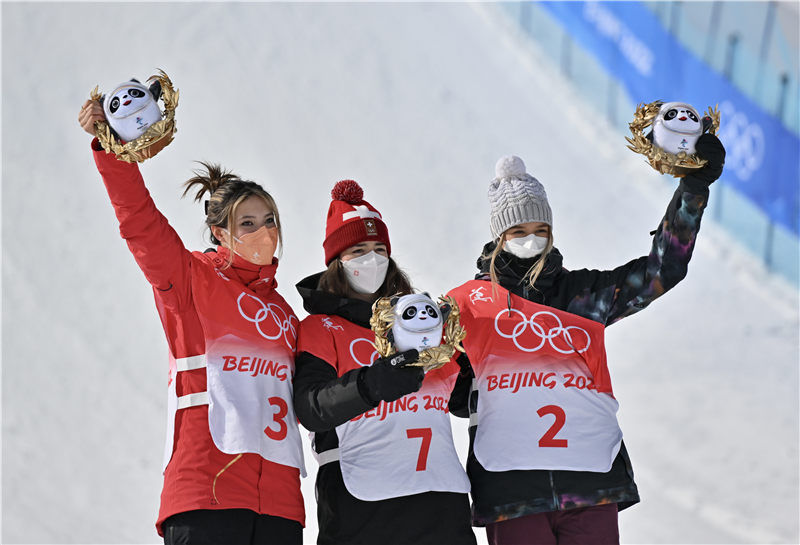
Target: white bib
402,448
569,426
250,402
544,391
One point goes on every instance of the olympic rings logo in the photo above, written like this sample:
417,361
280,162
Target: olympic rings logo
372,357
272,315
744,140
558,331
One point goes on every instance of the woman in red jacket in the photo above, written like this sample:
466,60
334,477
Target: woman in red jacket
388,472
234,456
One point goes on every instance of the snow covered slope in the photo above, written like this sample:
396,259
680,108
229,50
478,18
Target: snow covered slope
416,102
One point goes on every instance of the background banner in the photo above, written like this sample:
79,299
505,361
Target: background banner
629,41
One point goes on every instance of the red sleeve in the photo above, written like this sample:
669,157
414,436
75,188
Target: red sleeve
317,340
154,244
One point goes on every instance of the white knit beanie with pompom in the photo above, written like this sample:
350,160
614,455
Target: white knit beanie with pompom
515,197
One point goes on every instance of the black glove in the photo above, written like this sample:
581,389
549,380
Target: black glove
709,147
388,379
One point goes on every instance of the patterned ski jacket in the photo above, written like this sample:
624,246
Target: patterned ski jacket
603,297
210,317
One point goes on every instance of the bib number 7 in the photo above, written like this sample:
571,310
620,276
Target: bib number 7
425,434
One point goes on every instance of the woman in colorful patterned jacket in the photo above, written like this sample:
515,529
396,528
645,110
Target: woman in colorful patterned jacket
388,472
547,462
234,456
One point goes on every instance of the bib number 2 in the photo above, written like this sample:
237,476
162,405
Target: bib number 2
278,418
549,437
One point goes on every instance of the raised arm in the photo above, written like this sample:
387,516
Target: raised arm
154,244
608,296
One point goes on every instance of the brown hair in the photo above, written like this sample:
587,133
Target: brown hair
226,192
535,270
333,280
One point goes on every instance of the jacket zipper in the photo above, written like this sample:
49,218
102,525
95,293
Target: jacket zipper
553,489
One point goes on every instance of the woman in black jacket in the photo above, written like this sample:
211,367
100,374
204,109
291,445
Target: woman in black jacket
547,463
388,471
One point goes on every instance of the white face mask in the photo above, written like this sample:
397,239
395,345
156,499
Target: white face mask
526,247
366,273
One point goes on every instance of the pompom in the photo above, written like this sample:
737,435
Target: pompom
348,191
509,166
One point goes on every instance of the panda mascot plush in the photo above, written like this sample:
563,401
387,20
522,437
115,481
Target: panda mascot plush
135,127
677,127
403,322
132,108
417,323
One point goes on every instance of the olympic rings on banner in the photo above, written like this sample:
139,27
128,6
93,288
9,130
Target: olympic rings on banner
372,357
745,143
286,325
546,336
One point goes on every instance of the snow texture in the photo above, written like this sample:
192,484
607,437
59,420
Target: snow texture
416,102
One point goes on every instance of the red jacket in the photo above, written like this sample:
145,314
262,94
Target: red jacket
198,475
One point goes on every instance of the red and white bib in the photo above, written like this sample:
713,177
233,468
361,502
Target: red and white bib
249,361
545,399
396,449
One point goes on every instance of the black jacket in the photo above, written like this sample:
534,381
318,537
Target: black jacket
322,401
602,296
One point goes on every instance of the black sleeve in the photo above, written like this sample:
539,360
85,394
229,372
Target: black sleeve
459,397
608,296
322,400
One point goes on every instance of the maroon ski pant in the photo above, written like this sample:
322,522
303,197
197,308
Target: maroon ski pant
596,525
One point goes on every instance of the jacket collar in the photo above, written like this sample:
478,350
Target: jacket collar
316,301
511,270
258,278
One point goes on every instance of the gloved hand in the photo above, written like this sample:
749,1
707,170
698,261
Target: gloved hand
388,379
710,148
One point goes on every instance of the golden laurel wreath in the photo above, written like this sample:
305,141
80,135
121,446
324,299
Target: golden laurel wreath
155,138
430,358
677,165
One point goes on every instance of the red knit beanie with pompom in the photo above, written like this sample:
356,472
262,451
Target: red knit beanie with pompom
351,220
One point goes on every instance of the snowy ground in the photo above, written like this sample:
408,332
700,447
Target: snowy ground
416,102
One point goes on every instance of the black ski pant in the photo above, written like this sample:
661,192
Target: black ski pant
230,527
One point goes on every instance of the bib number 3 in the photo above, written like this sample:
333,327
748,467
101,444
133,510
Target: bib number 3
549,437
278,418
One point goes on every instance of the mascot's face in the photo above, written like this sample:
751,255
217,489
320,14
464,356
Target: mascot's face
127,100
676,128
131,109
420,316
417,323
680,118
